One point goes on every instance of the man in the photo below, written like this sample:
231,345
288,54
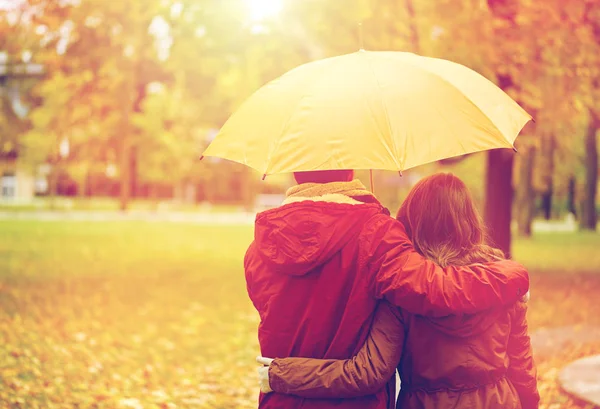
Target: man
320,263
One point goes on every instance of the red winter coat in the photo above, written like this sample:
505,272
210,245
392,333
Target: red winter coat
316,270
481,361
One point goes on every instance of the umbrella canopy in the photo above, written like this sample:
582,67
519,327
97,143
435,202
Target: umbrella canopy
369,110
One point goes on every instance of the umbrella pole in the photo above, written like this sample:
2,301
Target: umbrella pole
371,180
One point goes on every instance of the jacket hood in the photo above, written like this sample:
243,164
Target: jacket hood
296,238
464,326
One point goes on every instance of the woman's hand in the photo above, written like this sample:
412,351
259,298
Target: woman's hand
263,374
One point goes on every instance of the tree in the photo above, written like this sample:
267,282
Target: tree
589,215
499,174
18,43
525,192
50,129
104,84
527,52
206,57
591,19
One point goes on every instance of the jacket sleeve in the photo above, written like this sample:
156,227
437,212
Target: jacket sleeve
366,373
407,279
522,371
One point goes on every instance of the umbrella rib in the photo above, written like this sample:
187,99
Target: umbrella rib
464,96
287,122
387,116
277,141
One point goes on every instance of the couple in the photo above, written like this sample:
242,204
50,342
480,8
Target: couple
350,294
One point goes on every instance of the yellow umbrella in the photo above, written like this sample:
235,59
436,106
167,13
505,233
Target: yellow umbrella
369,110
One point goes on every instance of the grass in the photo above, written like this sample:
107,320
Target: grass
560,252
117,314
155,315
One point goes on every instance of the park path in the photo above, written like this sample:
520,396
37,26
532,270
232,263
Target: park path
581,378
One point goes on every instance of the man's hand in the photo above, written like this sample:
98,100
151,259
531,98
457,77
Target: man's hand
263,374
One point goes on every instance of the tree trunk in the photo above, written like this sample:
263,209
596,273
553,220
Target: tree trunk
133,174
125,171
133,95
53,184
571,196
589,216
412,23
498,197
547,202
126,136
82,184
525,195
128,163
548,154
82,188
498,187
89,179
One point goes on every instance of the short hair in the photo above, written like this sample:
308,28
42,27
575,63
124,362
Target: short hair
324,176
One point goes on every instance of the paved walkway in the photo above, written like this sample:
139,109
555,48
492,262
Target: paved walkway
582,379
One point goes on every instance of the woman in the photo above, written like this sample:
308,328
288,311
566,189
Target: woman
476,361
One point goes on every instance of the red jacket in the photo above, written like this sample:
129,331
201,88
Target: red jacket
481,361
316,270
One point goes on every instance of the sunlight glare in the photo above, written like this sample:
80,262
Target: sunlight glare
262,9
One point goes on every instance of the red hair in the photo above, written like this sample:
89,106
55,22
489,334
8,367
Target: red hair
442,222
324,176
